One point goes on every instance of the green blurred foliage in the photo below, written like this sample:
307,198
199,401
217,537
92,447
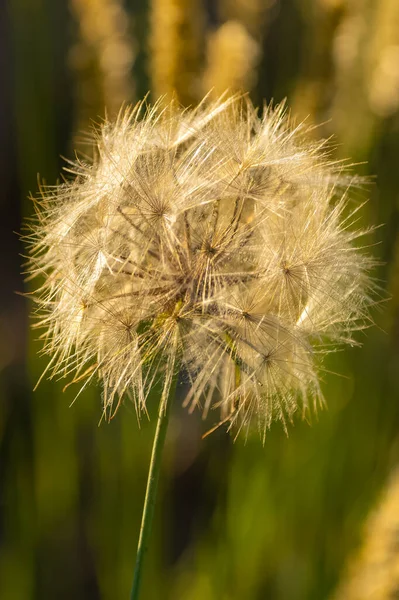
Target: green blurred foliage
233,521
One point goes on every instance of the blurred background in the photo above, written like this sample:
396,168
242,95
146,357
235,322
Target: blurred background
310,517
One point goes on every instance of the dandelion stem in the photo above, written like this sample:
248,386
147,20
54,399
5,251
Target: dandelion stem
152,483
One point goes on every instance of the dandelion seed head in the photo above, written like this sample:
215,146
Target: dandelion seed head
211,240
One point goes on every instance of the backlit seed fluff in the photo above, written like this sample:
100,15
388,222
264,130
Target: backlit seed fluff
213,242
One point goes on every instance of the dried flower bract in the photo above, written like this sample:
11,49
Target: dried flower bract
211,241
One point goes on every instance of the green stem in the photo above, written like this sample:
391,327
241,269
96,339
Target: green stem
152,485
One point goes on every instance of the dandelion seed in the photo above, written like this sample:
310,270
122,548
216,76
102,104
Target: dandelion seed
211,240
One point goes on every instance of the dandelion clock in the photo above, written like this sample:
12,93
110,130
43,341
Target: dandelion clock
210,242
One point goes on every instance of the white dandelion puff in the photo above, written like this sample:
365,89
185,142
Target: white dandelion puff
213,241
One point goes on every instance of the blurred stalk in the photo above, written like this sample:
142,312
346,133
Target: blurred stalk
232,56
312,93
374,572
101,58
252,14
382,53
175,48
234,48
365,53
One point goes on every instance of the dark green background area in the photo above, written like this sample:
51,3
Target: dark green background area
233,521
